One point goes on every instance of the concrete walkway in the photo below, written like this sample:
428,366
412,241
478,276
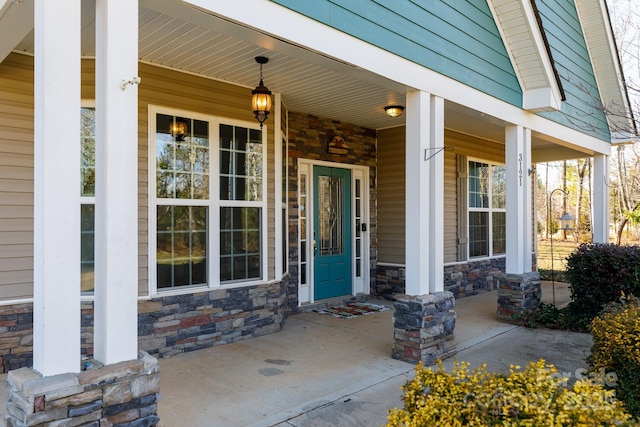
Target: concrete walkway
325,371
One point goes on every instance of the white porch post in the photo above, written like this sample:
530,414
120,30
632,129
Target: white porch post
116,222
519,212
56,269
601,199
424,240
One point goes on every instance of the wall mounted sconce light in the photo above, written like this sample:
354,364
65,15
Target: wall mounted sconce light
261,96
393,110
178,130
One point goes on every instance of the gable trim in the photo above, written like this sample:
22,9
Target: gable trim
521,29
603,52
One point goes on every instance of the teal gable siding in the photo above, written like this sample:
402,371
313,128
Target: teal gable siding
581,110
457,38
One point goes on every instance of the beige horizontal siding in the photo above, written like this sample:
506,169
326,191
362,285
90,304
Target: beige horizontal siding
450,207
391,195
16,177
160,87
391,189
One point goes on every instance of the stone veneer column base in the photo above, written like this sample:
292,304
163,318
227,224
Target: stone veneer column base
423,327
123,394
517,294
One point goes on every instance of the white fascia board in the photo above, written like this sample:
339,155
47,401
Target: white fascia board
267,17
540,100
16,21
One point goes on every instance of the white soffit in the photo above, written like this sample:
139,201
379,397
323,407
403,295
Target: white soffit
16,21
522,36
598,34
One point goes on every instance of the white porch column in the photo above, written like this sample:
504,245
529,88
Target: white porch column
424,240
56,257
116,222
519,212
600,199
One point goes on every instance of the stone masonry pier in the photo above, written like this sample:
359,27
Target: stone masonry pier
123,394
423,327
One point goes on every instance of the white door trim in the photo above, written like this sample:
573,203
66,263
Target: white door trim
360,285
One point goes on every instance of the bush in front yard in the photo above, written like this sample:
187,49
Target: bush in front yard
598,273
530,397
616,349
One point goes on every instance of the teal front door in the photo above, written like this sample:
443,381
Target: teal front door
332,232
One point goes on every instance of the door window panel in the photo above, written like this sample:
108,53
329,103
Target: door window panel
330,215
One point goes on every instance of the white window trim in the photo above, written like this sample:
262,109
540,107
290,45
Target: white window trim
213,203
489,210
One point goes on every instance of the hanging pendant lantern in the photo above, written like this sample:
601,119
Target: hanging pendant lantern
261,96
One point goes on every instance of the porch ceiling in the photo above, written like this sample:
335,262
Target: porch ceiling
175,35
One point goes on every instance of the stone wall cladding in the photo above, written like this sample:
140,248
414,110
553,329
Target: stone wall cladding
462,280
182,323
473,277
308,139
16,336
423,327
124,394
389,281
166,325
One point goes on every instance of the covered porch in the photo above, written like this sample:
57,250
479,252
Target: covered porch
182,59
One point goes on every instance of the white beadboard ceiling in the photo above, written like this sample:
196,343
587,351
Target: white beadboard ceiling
172,34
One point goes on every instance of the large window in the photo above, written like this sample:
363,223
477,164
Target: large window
209,202
487,213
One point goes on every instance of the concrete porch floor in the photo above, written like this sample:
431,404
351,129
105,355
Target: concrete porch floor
319,370
325,371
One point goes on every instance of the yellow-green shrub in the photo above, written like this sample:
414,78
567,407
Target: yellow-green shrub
530,397
616,349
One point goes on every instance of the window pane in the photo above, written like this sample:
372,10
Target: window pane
240,243
478,185
499,232
478,234
498,187
181,251
88,150
87,247
182,158
240,163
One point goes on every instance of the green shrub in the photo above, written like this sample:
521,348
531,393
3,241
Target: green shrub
549,316
598,273
530,397
616,349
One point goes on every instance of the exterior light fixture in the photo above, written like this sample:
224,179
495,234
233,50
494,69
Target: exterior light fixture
261,96
393,110
178,129
567,222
